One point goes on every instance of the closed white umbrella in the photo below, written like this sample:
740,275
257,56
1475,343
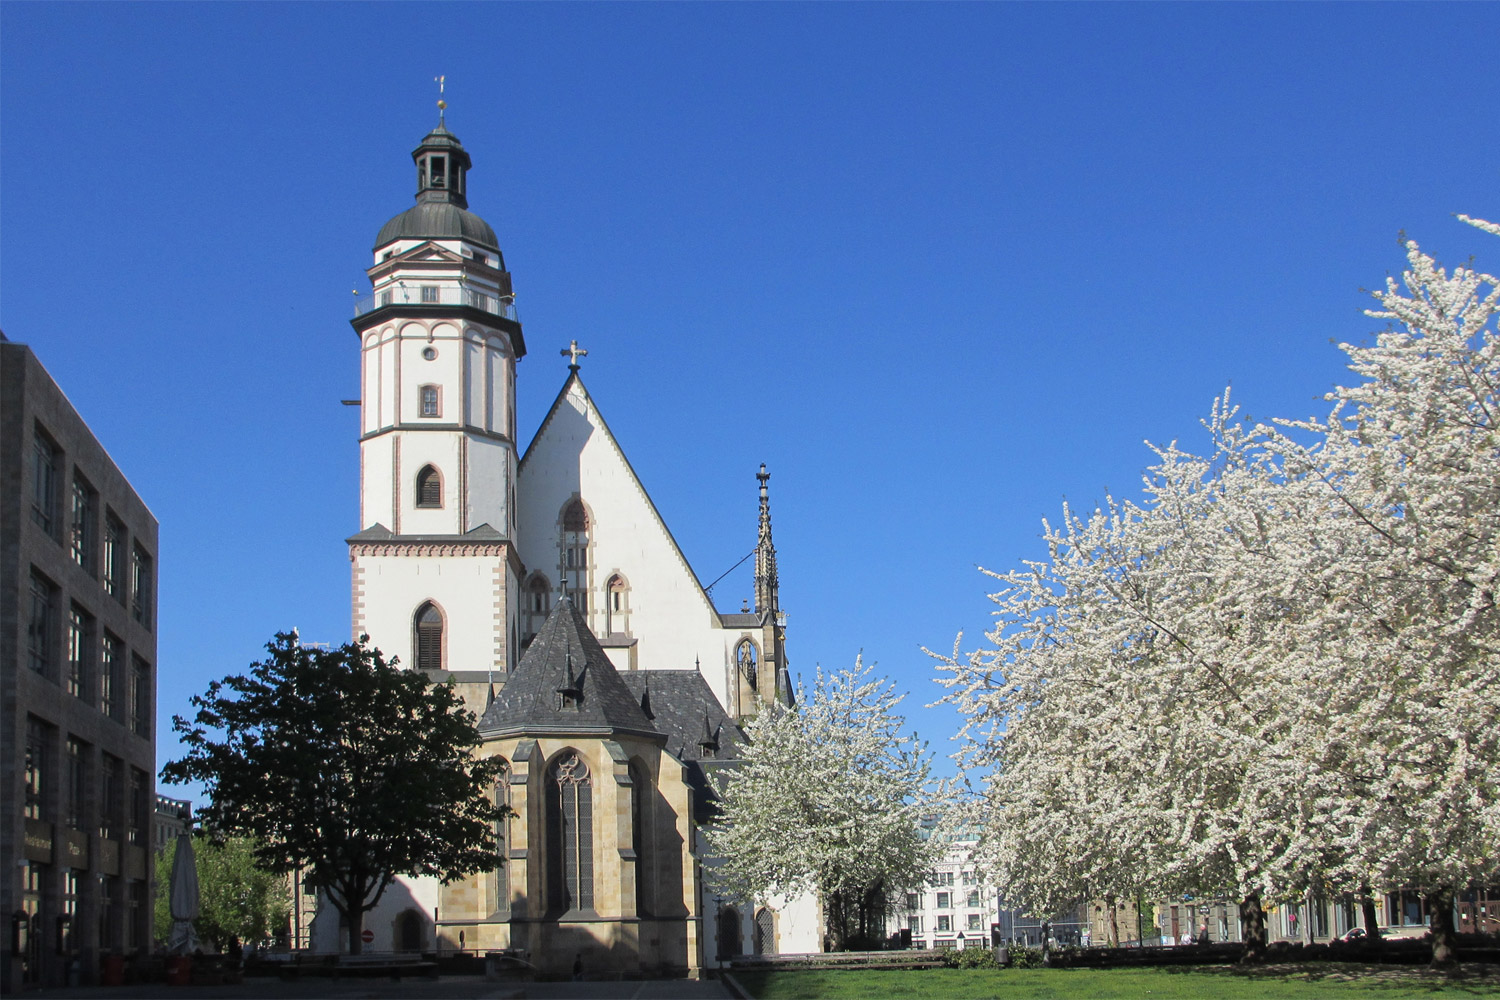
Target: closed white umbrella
184,899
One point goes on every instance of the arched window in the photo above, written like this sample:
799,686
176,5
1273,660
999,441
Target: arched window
617,605
429,487
575,553
501,900
429,644
730,942
640,835
748,658
765,932
536,602
570,835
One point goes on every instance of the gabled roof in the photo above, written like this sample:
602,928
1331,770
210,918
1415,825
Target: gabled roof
614,444
565,684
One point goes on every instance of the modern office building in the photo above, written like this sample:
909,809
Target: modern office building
77,690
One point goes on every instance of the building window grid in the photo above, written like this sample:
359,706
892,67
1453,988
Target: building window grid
112,779
81,528
80,652
944,923
430,401
138,832
114,554
140,696
45,460
76,752
111,654
41,630
68,930
944,901
36,768
140,585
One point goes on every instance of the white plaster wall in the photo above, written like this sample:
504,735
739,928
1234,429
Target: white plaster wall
474,375
491,466
670,616
376,496
799,924
463,587
406,892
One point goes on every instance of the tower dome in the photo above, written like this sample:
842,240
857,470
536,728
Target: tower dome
442,208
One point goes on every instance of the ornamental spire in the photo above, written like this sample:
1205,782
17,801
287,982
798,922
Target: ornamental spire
767,585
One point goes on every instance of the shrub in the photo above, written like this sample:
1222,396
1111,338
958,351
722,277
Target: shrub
970,958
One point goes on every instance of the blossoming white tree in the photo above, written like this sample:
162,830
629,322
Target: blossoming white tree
828,799
1278,674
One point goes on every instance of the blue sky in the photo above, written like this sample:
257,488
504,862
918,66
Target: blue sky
939,266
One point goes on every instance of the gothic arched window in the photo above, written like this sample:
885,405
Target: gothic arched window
575,553
765,932
617,605
429,637
429,487
502,841
748,658
731,944
640,835
570,835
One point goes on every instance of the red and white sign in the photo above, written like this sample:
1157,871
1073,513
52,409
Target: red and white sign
367,935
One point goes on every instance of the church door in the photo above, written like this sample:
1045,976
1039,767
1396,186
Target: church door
409,931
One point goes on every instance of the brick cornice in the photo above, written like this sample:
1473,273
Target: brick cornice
396,547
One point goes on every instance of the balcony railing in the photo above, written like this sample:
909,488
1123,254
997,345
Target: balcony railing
495,305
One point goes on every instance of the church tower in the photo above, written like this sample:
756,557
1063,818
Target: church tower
435,571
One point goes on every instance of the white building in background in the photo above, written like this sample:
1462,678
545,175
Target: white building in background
467,545
957,908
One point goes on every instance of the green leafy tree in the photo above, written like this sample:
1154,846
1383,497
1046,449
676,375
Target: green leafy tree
238,898
337,763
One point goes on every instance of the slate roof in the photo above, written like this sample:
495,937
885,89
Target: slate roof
565,656
686,711
682,706
438,220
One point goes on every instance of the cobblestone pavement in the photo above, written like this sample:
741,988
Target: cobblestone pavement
446,988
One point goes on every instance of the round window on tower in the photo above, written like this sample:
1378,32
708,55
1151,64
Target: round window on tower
430,353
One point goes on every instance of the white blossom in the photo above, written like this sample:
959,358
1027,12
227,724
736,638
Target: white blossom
1278,672
828,799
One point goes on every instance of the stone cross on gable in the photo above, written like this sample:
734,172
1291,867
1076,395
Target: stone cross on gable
573,352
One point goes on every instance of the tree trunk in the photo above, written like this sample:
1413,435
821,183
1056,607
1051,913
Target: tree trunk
1444,934
1253,930
1372,917
1308,920
835,922
1114,921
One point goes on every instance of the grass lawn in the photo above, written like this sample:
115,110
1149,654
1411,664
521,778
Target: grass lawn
1209,981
